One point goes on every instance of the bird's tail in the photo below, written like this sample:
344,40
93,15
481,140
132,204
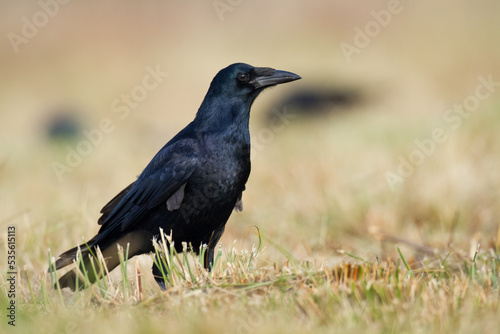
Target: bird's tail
76,278
88,270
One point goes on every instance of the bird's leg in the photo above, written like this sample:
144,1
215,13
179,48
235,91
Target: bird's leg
160,271
208,261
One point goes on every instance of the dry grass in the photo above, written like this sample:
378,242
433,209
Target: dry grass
449,292
340,250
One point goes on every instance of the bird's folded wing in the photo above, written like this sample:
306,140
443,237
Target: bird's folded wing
108,208
169,171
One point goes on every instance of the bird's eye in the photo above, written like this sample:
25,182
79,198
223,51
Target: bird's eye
243,77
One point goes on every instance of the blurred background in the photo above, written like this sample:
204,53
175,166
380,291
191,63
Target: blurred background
78,124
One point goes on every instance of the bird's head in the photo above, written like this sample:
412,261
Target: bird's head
233,91
245,81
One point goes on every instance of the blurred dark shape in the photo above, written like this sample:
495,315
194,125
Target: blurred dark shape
63,125
312,102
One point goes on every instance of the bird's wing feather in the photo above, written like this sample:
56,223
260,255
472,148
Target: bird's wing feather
238,207
174,201
108,208
169,171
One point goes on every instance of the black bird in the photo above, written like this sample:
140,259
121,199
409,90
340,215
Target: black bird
316,102
191,186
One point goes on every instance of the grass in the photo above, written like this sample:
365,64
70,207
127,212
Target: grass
455,292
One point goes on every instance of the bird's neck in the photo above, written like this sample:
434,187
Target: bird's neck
220,115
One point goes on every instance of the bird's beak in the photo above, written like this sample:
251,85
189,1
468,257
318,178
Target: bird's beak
275,78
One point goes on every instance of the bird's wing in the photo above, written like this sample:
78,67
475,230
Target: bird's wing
108,208
168,172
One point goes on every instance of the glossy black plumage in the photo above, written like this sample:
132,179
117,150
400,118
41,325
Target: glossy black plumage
191,186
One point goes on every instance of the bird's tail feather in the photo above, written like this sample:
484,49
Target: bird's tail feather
86,257
84,273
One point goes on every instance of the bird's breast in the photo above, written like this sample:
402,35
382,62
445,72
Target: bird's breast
225,166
